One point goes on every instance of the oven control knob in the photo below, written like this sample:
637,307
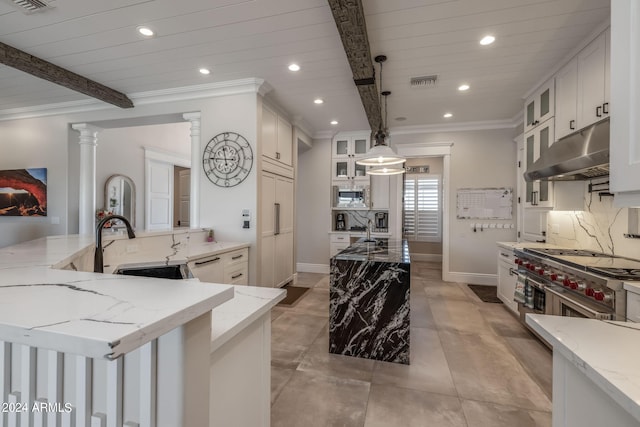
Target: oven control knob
573,284
589,292
566,281
531,267
518,261
553,276
601,296
540,270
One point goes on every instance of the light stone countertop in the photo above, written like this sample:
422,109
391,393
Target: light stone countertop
102,315
522,245
605,351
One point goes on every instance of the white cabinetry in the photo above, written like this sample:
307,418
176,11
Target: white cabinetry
379,192
593,78
538,193
566,99
625,96
338,242
507,279
276,260
277,138
540,106
346,150
227,267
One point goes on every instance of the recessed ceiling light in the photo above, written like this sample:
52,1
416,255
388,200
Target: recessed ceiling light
334,122
318,101
294,67
487,40
146,31
447,115
205,71
463,87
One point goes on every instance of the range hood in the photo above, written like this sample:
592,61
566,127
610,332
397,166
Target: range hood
580,156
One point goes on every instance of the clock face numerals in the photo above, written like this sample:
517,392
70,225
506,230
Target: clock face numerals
227,159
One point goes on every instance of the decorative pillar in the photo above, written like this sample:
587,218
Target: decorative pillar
87,198
194,198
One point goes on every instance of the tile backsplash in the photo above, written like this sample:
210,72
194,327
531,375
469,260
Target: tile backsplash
600,226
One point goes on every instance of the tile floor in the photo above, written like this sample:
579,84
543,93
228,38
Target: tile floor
472,364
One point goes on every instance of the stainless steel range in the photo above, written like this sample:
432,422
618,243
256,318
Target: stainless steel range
573,282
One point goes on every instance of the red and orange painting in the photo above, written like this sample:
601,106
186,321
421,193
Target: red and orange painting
23,192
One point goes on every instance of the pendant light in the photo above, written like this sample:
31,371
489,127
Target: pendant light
381,155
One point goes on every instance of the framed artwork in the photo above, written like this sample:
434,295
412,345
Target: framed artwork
23,192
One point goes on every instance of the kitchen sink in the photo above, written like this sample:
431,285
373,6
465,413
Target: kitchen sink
171,270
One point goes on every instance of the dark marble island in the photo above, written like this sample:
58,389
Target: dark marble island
369,301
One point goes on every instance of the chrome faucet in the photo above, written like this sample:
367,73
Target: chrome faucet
98,264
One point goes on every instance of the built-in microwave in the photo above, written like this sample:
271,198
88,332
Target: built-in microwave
351,197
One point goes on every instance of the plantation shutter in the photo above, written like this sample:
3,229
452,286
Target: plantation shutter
422,211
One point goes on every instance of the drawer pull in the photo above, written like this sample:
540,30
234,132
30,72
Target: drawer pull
237,256
236,276
208,261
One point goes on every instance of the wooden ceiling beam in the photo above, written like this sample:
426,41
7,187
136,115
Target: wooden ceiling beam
37,67
349,17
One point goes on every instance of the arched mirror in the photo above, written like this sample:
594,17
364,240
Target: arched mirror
120,197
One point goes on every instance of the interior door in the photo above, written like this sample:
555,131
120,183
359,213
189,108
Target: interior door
267,226
159,195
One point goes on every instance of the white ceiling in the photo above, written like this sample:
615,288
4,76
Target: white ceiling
258,38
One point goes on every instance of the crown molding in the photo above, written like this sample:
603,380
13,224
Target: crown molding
453,127
184,93
325,134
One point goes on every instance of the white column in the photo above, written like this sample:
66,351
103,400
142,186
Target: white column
194,210
87,200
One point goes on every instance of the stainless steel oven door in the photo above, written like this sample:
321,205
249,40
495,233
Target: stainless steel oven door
560,305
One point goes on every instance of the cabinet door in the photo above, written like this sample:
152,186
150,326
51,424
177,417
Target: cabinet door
359,146
284,152
341,148
566,99
208,269
591,82
379,192
506,282
538,193
269,133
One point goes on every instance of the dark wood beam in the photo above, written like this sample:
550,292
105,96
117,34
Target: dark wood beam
35,66
349,17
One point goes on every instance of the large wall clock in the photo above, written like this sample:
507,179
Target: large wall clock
227,159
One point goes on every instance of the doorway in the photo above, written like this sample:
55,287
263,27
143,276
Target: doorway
182,196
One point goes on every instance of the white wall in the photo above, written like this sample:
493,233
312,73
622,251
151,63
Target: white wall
313,200
121,151
49,142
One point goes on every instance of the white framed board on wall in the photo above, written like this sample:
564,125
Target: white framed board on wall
484,203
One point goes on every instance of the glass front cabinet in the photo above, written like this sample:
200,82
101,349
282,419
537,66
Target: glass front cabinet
346,150
538,193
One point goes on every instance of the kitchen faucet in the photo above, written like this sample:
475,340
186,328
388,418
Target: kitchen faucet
98,264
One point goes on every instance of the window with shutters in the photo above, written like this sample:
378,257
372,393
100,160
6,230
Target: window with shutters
422,208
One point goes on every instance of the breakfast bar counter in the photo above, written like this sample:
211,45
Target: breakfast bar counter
369,301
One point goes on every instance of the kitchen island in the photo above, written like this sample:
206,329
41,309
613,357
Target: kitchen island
369,301
113,350
596,374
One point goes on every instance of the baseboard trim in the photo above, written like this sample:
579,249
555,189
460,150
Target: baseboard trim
312,268
426,257
472,278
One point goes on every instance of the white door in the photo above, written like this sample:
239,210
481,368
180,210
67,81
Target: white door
159,195
184,195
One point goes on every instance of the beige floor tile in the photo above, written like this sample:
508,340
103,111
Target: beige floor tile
502,322
277,312
484,368
315,301
458,315
323,283
536,358
481,414
318,360
308,280
420,314
394,406
279,378
317,400
448,290
297,328
428,370
286,355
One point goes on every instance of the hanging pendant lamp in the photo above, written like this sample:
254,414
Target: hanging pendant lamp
381,156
